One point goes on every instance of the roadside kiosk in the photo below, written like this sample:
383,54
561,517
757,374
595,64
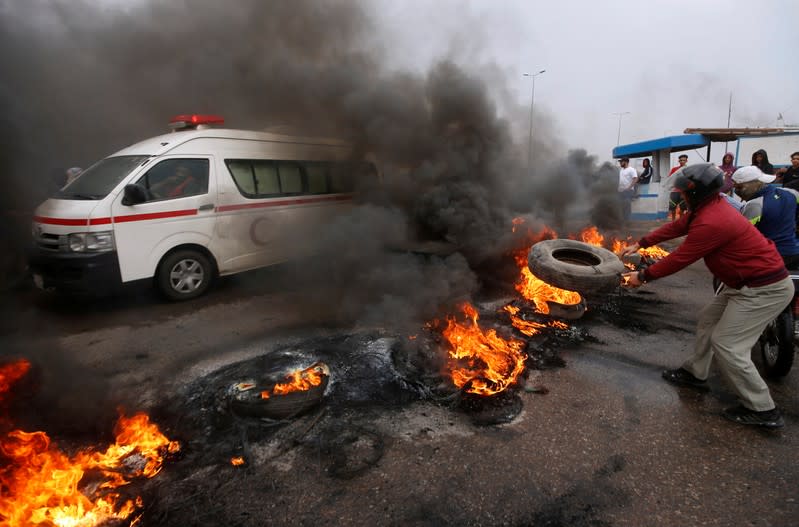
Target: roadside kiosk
653,198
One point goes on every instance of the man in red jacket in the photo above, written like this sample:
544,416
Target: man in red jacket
756,288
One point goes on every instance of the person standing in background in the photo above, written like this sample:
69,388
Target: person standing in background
646,174
760,160
771,209
676,202
628,177
728,167
790,175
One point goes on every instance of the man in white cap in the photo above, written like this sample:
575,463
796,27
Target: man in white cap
771,209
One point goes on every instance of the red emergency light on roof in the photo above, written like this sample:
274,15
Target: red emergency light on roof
194,120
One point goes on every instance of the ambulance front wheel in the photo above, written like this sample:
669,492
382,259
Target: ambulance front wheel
184,274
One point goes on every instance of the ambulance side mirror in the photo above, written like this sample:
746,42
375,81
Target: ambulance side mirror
134,194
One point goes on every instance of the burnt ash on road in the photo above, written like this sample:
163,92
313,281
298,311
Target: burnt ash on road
599,439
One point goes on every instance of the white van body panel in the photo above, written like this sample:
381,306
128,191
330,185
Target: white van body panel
141,231
180,238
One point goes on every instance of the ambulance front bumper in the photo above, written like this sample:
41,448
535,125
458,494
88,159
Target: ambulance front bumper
91,273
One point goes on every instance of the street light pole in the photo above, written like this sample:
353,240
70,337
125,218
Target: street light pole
530,138
618,135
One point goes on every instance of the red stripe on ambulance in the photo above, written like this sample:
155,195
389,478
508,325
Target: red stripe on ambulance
116,219
155,215
61,221
281,202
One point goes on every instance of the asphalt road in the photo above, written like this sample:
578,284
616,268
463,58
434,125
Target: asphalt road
601,441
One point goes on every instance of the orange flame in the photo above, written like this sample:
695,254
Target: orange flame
237,461
298,381
482,358
11,373
544,234
591,236
539,292
528,327
533,237
40,484
654,252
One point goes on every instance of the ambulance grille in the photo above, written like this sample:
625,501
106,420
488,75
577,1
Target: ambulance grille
51,242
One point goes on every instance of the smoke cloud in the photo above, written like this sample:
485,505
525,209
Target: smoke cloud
81,81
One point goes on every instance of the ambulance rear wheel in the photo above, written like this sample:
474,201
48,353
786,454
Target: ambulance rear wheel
184,274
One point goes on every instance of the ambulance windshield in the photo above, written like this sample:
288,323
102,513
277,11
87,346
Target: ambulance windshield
101,178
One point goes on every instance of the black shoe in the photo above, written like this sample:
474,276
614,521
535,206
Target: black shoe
682,377
742,415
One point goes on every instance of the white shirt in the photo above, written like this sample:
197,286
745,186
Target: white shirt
626,178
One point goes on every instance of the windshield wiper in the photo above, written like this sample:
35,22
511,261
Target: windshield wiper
79,196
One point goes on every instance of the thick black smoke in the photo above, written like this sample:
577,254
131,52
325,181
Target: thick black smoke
81,81
58,394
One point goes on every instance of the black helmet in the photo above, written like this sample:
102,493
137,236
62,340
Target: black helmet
699,182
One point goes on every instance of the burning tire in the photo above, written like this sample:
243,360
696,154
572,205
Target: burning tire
576,266
248,399
184,274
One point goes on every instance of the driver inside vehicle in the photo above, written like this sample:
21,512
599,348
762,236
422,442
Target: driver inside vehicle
177,185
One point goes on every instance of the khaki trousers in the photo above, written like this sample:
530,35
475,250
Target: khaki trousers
728,328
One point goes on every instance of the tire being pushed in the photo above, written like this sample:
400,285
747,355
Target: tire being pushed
576,266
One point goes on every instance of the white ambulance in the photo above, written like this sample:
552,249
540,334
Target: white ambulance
185,207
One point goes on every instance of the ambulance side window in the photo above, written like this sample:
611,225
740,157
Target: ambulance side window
260,178
266,180
317,177
176,178
290,178
243,176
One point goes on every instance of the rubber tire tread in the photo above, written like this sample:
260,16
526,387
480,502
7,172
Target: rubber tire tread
586,279
785,347
169,261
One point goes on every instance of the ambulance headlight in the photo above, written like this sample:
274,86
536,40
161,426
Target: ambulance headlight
91,242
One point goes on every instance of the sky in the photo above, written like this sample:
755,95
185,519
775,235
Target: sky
666,65
671,64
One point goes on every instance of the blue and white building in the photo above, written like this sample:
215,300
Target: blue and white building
653,199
